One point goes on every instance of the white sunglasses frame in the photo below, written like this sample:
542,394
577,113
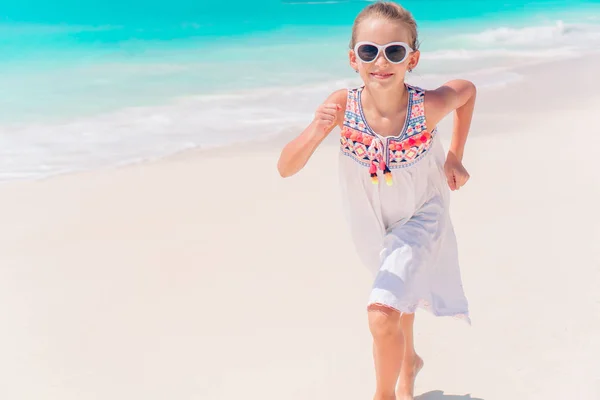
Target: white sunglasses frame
382,48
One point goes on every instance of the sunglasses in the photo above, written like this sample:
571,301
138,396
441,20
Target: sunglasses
395,52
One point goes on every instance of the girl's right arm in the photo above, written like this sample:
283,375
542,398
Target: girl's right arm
296,153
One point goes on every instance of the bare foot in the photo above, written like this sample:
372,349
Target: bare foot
406,385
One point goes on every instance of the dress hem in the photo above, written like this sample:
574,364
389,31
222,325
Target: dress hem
425,305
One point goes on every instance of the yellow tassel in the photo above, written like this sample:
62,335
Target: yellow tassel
388,178
388,175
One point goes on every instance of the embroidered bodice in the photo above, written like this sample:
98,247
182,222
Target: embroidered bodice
374,151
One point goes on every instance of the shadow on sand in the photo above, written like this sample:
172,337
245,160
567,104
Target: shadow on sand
439,395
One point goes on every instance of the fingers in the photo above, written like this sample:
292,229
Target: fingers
332,106
456,181
330,110
451,181
326,117
327,114
456,175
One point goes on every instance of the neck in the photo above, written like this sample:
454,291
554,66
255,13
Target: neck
386,102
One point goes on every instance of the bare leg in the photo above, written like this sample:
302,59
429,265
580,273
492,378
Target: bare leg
384,324
411,362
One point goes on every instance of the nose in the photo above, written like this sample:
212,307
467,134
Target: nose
381,61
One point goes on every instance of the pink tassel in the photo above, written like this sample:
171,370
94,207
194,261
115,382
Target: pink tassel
373,172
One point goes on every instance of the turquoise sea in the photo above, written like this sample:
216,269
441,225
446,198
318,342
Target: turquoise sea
85,84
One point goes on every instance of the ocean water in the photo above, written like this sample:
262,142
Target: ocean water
87,84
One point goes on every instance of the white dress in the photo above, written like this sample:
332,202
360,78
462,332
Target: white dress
396,200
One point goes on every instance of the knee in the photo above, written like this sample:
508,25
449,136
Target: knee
384,323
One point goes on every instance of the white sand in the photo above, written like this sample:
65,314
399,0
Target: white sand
207,276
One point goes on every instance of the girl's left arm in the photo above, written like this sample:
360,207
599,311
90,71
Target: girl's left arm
458,96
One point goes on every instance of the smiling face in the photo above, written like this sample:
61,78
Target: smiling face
381,73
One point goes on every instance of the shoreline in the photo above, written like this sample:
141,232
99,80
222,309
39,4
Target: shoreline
513,101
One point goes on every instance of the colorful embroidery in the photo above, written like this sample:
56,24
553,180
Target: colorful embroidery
404,152
361,143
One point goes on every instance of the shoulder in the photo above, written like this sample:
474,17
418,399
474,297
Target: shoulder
340,97
441,101
450,94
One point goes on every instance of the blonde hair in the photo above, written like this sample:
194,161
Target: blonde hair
390,11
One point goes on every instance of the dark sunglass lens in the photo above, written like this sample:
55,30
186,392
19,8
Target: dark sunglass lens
395,53
367,52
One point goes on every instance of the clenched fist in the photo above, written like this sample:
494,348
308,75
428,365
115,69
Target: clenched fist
456,174
326,116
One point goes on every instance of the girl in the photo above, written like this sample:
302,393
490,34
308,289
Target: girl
395,178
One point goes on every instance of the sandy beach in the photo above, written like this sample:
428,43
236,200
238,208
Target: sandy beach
208,276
